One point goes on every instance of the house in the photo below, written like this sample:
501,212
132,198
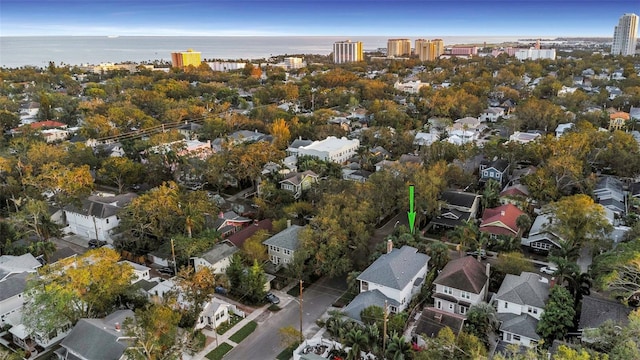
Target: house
501,221
189,129
496,170
97,339
410,159
228,223
282,246
432,320
411,87
520,302
216,312
241,236
97,216
331,149
112,149
217,258
541,238
517,194
140,272
245,136
14,271
618,120
296,183
425,139
609,193
461,284
296,144
562,128
385,165
491,114
596,311
524,137
356,175
456,208
393,279
634,113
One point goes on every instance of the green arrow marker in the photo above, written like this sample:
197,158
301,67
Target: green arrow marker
411,213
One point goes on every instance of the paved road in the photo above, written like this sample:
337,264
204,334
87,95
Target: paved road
264,343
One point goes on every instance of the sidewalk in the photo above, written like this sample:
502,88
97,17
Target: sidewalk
225,337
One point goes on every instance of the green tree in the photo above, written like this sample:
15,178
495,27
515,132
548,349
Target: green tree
557,318
482,321
121,171
398,348
356,339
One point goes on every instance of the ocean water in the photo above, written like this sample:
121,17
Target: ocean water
78,50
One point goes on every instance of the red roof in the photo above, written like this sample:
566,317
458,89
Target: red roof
241,236
501,220
47,124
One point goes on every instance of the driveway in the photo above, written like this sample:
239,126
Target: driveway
265,342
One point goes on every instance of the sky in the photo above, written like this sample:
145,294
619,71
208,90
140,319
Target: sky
313,17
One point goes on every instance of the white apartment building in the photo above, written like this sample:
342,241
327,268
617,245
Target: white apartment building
535,54
624,35
226,65
331,149
293,63
347,51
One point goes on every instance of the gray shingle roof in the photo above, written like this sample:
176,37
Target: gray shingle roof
219,252
465,273
596,311
13,285
364,300
459,198
524,325
286,239
97,339
395,269
102,206
433,320
526,289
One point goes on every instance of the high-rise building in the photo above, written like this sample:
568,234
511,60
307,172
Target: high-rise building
182,59
398,47
624,35
347,51
429,50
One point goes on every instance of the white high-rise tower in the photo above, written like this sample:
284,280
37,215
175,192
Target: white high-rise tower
624,35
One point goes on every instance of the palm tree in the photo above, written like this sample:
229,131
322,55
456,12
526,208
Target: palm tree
373,334
567,250
398,349
490,194
523,222
357,339
579,285
565,268
439,253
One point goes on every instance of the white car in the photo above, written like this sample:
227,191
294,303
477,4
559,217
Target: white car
549,269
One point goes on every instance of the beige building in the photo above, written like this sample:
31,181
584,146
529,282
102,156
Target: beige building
398,47
624,35
429,50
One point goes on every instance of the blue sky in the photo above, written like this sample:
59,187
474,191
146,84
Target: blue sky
313,17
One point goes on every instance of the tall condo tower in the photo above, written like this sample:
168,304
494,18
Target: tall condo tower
182,59
624,35
398,47
347,51
429,50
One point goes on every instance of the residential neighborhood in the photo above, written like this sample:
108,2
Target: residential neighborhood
477,205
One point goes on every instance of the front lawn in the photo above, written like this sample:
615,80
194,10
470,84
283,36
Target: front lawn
218,353
244,332
222,328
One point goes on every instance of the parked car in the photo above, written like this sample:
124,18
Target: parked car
482,252
550,270
220,290
270,297
166,270
94,244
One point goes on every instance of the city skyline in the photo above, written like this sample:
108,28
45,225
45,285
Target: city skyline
595,18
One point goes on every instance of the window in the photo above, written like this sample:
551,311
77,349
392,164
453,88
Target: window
485,173
506,305
516,337
531,310
450,306
286,251
447,290
393,309
464,295
463,310
364,285
439,305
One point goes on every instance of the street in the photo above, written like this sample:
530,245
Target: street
265,342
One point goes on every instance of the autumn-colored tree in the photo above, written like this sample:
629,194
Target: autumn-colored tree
279,129
253,248
155,334
85,286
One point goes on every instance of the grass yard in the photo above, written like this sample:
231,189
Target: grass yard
218,353
222,328
244,332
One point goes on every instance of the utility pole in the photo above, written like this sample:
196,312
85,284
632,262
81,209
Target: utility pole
300,302
384,328
173,254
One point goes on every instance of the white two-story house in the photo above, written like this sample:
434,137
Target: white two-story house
394,278
520,303
97,216
461,284
14,271
217,258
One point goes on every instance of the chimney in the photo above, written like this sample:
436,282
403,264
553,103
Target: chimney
221,215
255,222
389,245
552,283
502,213
117,327
488,270
288,223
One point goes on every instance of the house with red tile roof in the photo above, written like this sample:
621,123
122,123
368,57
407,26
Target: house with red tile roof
501,220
